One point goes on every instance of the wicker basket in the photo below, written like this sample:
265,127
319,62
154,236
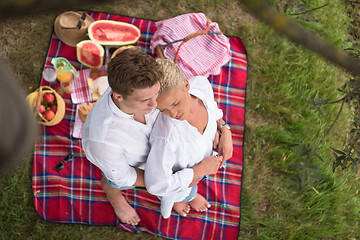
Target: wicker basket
34,99
159,49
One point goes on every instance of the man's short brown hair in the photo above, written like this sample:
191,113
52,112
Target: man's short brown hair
132,69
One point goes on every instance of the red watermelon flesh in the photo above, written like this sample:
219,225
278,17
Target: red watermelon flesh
114,33
119,50
108,32
90,54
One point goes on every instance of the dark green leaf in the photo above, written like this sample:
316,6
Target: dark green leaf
338,151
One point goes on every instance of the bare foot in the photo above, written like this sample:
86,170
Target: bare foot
200,204
122,208
125,212
182,208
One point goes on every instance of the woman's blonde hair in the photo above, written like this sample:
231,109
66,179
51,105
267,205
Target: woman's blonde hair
172,76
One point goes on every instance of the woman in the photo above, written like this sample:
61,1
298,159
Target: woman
182,141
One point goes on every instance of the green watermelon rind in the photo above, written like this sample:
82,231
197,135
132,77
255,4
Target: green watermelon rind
120,49
102,53
113,43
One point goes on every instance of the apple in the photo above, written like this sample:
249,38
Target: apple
48,97
41,108
54,108
49,114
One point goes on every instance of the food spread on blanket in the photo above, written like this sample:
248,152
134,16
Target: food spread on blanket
91,54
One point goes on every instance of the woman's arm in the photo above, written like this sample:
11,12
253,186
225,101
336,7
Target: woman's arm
160,180
225,147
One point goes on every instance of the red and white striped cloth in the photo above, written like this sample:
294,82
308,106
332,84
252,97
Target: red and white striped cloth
81,92
202,55
78,124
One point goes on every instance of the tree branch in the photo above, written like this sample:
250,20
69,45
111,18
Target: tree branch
295,14
281,23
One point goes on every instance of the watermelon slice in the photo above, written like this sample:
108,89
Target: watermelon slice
119,50
90,53
113,33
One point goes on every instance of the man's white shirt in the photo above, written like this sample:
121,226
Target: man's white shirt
115,142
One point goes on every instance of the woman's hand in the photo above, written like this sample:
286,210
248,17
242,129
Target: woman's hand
225,146
210,165
207,166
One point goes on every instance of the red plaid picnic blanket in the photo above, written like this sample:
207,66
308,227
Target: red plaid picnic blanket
74,194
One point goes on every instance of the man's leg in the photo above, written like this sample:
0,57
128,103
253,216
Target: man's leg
122,208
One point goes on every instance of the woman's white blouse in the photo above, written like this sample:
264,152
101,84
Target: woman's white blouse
176,146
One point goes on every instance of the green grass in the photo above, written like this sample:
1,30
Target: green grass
281,118
282,76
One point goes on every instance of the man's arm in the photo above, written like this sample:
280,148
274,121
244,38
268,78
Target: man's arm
112,162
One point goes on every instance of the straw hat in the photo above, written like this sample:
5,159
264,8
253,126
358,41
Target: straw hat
71,27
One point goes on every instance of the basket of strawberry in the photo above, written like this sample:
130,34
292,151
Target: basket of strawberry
48,106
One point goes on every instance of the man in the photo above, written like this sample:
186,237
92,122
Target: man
116,131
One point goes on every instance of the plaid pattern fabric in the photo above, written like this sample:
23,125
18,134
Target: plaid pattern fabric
74,194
